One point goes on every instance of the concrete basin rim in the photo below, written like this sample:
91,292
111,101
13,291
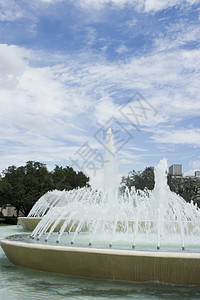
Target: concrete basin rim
108,251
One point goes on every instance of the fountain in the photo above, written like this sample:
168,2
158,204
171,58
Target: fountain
132,235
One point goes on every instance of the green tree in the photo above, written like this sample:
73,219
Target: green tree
5,193
21,187
28,183
67,178
140,180
185,187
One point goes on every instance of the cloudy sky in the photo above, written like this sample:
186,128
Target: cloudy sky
69,69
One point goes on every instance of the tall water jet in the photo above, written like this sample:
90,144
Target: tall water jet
160,192
111,183
110,164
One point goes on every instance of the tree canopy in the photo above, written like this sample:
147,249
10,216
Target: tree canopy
21,187
185,187
67,178
140,180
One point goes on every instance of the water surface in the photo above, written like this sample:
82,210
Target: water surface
21,283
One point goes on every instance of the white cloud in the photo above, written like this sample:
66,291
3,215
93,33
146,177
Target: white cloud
50,97
37,110
40,105
147,6
178,35
195,164
51,103
156,5
179,136
10,10
122,49
12,65
105,109
168,81
189,173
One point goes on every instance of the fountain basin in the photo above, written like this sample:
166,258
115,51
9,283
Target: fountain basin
138,266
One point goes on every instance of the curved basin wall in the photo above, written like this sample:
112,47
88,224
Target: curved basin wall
176,268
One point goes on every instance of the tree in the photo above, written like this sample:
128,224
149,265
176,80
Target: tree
140,180
28,183
68,179
185,187
5,193
21,187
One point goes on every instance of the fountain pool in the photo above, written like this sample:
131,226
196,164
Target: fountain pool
17,282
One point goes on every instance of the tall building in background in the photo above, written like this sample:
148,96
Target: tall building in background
176,170
197,174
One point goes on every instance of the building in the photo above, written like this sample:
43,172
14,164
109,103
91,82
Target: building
197,174
9,211
176,170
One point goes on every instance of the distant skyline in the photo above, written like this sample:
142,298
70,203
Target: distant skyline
71,69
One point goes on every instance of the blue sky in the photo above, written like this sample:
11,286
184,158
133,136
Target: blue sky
70,69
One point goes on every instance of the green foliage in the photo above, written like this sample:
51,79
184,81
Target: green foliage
5,192
21,187
140,180
185,187
67,178
27,183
